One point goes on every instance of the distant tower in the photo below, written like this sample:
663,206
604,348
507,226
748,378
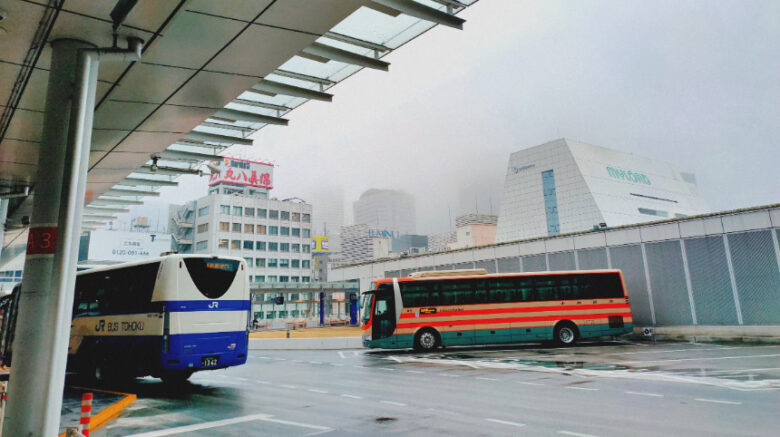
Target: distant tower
379,208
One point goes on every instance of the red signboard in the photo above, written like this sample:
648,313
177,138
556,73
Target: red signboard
42,240
243,172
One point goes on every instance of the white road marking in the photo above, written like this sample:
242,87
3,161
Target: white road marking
701,359
280,359
528,383
297,361
288,386
225,422
265,358
718,401
449,375
316,390
486,379
386,368
675,350
451,413
398,404
351,396
639,393
394,358
582,388
414,371
341,354
262,382
505,422
315,362
575,434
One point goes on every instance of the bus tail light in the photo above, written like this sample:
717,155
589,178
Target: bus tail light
180,264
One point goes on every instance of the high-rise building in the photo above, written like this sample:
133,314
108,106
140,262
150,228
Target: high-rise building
363,243
237,218
385,209
568,186
328,214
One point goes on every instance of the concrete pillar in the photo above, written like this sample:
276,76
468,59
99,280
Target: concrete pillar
42,330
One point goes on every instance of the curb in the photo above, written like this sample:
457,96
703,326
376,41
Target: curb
110,412
306,343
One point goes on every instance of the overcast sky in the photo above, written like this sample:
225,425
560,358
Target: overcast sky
694,83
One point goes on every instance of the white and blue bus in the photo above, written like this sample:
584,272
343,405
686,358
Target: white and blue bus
166,317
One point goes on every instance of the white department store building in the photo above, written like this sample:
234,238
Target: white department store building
568,186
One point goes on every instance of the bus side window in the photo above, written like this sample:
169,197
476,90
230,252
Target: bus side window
381,307
546,288
480,291
525,290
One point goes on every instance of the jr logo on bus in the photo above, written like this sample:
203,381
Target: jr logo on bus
214,305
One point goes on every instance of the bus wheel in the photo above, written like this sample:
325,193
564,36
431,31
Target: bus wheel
176,377
426,340
565,334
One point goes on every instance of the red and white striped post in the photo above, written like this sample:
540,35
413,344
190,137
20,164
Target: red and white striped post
86,413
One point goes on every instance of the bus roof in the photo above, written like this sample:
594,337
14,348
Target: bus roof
498,275
104,268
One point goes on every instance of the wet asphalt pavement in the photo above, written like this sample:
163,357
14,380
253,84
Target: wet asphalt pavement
597,389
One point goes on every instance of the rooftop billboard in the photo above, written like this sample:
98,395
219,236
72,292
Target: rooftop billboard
243,172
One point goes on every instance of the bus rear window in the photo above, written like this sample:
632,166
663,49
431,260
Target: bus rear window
212,276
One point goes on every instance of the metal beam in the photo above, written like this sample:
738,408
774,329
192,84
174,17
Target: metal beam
243,129
168,171
184,155
345,56
251,117
93,223
423,12
356,42
305,77
280,108
141,182
101,210
99,216
290,90
119,192
216,138
114,201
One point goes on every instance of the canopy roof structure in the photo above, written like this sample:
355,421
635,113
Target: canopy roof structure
212,74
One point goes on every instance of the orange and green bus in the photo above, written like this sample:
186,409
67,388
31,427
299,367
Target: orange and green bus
470,307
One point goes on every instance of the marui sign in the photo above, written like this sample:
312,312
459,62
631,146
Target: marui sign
243,172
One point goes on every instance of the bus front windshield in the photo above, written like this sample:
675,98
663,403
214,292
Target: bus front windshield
365,306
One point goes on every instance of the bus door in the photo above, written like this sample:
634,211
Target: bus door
383,324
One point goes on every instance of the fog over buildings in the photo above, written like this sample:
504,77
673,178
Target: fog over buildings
690,83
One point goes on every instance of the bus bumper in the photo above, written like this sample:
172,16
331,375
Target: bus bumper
206,351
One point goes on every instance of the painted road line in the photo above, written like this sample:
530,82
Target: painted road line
575,434
397,404
297,361
582,388
225,422
505,422
701,359
265,358
341,354
639,393
351,396
414,371
316,390
292,387
451,413
280,359
448,375
718,401
259,381
528,383
386,368
486,379
315,362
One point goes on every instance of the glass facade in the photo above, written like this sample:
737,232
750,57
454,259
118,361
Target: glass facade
550,202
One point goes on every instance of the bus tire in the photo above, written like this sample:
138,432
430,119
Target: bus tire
426,340
176,377
565,333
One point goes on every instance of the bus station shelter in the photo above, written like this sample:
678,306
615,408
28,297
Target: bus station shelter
102,103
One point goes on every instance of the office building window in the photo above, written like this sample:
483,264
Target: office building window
307,233
272,262
305,279
273,230
306,248
284,230
223,244
249,212
284,247
296,216
260,229
273,214
203,227
296,247
237,210
248,244
260,278
249,229
203,211
271,278
237,227
294,279
261,213
285,215
550,202
224,209
295,232
273,247
655,212
201,245
259,262
305,263
284,263
307,218
224,227
295,263
235,244
260,245
284,279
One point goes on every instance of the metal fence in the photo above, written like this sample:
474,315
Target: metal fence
720,269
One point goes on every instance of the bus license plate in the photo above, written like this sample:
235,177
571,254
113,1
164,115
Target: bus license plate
209,361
